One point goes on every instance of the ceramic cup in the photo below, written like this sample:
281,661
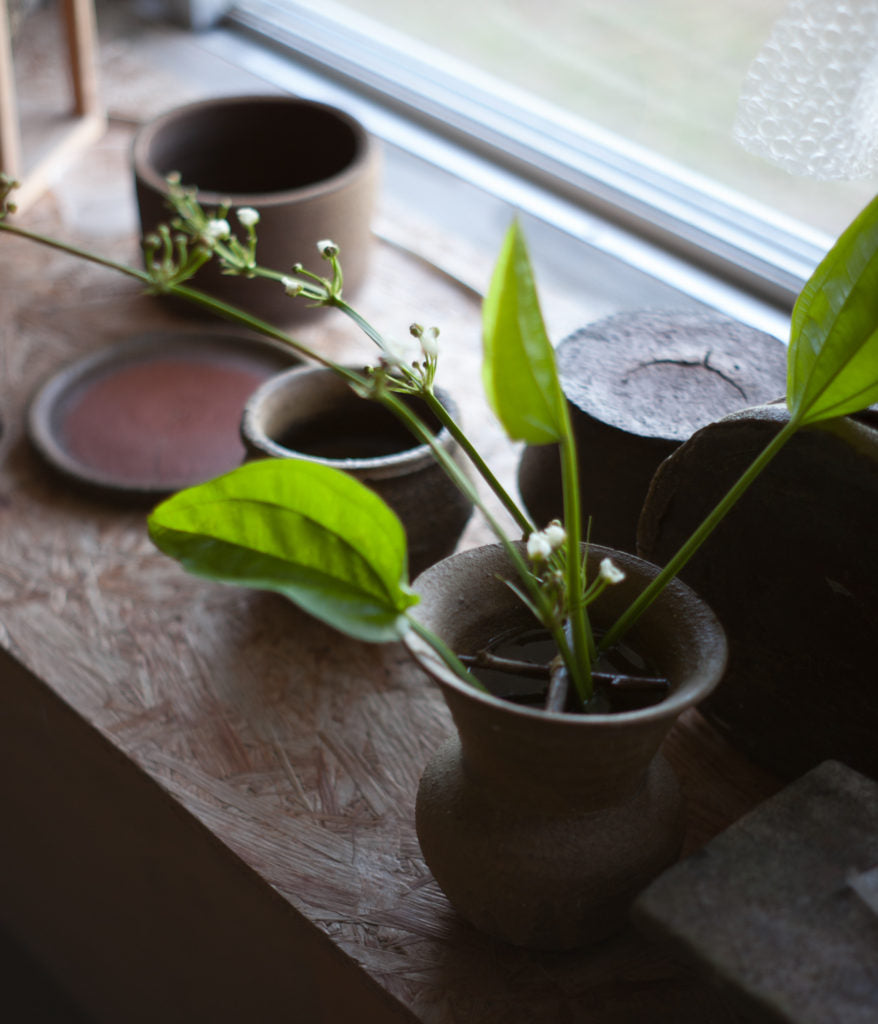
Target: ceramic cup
311,413
309,169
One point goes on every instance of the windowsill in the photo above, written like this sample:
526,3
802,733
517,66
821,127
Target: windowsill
210,796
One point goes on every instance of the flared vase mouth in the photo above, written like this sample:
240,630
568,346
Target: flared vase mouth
262,423
697,640
153,156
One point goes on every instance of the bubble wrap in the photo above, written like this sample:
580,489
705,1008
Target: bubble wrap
809,102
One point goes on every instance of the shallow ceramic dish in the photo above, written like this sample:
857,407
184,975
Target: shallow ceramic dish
155,412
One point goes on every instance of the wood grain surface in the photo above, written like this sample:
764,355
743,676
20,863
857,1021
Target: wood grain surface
210,781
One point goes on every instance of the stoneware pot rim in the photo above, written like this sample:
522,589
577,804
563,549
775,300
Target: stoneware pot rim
144,169
376,466
711,665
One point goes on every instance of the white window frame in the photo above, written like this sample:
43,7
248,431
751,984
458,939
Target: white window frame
706,241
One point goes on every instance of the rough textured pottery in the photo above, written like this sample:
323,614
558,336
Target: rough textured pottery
542,827
311,413
309,169
638,384
791,573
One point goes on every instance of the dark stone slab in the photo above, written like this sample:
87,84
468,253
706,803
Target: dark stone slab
777,909
638,384
792,574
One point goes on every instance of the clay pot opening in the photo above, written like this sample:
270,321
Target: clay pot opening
312,413
358,430
515,667
250,146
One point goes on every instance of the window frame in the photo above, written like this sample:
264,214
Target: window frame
713,229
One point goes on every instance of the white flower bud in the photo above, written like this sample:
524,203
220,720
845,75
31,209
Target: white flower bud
248,217
610,572
327,249
538,547
292,286
429,340
555,534
216,230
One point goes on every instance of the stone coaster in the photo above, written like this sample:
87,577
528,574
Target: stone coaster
782,908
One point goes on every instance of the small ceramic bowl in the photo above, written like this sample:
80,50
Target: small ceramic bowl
311,413
310,170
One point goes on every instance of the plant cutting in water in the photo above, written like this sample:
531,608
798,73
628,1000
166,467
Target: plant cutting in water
332,546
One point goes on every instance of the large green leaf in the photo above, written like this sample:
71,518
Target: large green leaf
520,376
832,367
308,531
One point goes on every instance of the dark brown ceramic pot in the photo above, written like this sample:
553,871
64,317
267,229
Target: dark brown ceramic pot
311,413
638,384
309,169
542,827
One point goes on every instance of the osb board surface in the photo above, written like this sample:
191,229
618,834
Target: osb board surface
299,750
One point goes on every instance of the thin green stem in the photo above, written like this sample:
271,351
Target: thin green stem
392,401
446,654
679,560
453,428
74,250
359,320
464,484
580,629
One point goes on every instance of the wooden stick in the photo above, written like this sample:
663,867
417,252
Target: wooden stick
82,50
10,134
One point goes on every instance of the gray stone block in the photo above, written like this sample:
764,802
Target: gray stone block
782,908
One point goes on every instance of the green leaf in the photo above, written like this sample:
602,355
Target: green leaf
832,365
520,376
308,531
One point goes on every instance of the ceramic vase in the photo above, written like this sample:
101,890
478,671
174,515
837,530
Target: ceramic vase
542,827
311,413
309,169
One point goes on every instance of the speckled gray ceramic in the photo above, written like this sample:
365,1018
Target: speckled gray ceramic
542,827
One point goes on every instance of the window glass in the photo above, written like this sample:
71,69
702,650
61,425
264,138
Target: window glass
665,74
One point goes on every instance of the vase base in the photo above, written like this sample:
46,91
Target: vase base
550,879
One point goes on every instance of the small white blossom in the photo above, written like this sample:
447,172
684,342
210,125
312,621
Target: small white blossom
542,543
291,286
429,340
610,571
248,217
216,230
556,534
538,547
327,249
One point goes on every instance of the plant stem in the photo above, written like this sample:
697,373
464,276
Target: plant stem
679,560
447,421
390,400
74,250
464,484
577,618
447,655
